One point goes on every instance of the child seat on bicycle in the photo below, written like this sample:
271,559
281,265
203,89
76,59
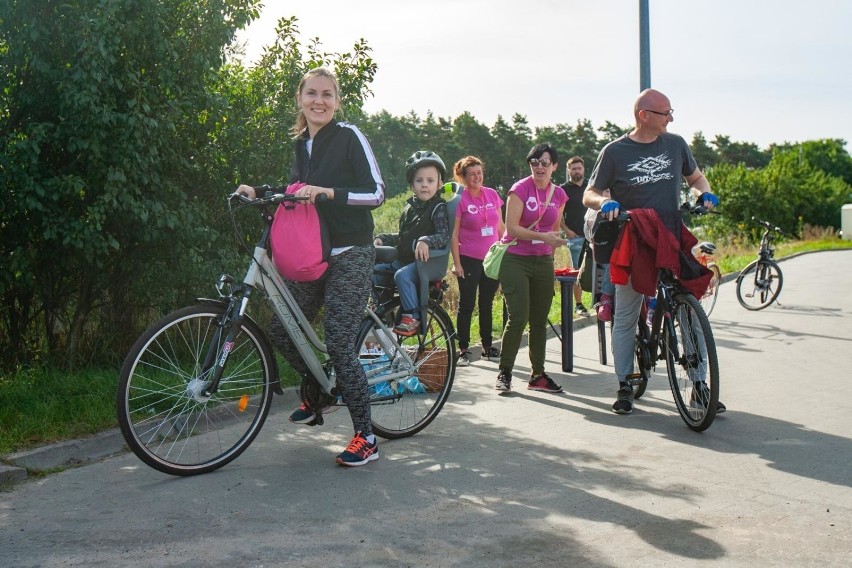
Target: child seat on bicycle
423,238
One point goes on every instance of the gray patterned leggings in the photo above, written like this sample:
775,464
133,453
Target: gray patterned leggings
343,290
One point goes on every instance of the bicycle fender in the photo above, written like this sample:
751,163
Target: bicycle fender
213,301
276,383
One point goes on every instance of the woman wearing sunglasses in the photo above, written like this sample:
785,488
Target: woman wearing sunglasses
534,207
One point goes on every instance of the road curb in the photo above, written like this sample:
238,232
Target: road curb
61,454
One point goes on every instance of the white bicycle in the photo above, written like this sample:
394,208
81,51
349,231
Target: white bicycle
197,386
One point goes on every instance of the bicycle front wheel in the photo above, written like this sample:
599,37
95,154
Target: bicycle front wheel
165,417
403,406
693,368
759,284
708,300
643,360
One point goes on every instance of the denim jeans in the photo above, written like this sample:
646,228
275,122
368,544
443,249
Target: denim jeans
406,281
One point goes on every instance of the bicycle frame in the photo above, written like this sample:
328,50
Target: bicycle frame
666,287
766,251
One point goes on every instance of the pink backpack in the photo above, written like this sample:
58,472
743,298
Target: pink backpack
299,240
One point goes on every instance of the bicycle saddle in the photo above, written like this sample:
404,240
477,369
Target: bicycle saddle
707,247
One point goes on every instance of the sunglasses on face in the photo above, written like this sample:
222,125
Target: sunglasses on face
544,162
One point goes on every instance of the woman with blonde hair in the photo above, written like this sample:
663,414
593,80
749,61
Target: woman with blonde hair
334,159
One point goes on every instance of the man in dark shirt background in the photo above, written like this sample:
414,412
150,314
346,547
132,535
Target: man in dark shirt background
572,220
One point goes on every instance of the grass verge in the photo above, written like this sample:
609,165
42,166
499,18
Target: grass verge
39,406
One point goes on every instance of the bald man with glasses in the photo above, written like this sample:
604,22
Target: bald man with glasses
642,170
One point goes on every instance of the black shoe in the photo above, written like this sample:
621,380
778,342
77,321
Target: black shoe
491,353
581,310
504,381
700,396
624,403
303,415
463,359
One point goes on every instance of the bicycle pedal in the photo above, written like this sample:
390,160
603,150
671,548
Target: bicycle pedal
634,379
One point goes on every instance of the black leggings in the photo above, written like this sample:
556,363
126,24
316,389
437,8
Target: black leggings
343,290
475,278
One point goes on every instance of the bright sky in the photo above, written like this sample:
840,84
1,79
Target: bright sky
758,71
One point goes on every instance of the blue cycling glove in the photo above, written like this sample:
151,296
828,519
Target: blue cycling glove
610,206
707,196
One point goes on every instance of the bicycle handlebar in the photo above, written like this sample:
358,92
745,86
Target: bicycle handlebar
767,225
685,208
273,195
697,209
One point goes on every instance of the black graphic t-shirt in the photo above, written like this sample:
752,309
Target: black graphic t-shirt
644,175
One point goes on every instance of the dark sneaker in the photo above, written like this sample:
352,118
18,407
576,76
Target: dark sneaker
491,353
581,310
624,403
359,451
543,383
303,415
463,359
700,396
504,381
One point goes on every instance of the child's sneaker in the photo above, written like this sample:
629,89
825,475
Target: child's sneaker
604,308
407,326
359,451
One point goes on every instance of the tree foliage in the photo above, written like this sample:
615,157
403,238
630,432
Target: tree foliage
791,190
124,124
121,127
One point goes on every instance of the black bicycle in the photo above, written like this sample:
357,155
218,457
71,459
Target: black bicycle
759,284
681,336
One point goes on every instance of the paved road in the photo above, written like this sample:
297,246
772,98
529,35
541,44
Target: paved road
526,479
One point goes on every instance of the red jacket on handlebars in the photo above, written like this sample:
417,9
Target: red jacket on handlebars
651,241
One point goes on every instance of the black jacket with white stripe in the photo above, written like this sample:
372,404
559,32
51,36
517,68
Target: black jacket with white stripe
341,158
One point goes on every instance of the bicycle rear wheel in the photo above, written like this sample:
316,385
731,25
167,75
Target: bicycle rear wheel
708,300
759,284
691,362
404,406
166,419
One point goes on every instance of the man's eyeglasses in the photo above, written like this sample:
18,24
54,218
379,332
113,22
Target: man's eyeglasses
544,162
667,113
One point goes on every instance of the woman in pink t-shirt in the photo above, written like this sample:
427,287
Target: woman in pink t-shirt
533,210
479,223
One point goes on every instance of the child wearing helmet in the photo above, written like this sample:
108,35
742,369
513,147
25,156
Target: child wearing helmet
423,225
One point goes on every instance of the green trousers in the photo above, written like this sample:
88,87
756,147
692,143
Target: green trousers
527,283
